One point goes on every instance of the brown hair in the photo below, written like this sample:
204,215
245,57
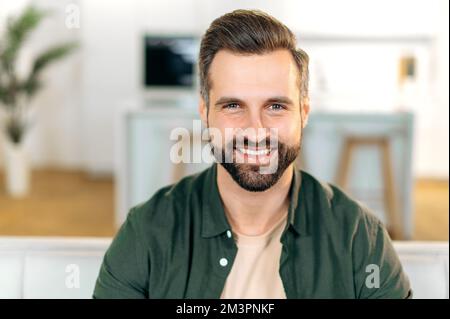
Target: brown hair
249,32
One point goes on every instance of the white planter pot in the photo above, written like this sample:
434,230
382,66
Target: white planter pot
17,169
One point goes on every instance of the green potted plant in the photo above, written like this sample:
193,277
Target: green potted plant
16,93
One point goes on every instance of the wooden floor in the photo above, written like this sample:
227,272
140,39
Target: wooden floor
64,203
431,210
61,203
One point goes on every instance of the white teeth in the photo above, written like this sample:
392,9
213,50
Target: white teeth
254,152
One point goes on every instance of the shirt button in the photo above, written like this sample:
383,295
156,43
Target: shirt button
228,234
223,262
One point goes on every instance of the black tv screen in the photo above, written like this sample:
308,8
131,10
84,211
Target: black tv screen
170,61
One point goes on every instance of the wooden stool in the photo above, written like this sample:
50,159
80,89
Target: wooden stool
394,224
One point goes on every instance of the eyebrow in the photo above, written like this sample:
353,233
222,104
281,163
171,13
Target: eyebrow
274,99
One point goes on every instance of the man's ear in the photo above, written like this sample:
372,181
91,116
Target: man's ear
203,110
305,111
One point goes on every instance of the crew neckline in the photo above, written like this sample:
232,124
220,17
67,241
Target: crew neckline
262,239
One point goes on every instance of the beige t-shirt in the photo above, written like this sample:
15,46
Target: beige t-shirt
255,271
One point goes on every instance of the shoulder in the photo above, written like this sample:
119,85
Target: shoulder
338,210
169,203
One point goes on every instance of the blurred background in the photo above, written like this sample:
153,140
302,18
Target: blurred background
90,91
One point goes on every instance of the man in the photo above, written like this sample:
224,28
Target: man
237,230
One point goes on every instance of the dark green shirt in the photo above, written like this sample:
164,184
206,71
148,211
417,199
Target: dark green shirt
171,246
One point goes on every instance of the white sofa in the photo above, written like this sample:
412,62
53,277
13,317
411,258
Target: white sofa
46,267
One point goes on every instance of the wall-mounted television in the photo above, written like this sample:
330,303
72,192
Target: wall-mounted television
169,61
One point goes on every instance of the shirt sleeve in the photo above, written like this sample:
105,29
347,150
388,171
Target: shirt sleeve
122,274
378,272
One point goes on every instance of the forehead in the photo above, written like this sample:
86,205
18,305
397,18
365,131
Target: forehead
271,73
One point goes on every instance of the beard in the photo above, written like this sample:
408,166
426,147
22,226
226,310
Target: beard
250,176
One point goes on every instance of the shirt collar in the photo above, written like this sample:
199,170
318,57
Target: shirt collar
297,214
214,221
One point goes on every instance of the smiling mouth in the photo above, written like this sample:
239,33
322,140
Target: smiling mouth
255,152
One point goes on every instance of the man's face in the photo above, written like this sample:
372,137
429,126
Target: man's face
257,98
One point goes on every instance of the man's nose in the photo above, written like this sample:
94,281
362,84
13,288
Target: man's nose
255,129
255,120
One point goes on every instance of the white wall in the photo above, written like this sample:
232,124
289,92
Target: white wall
110,74
433,148
78,106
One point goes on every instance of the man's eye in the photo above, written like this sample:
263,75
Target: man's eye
276,107
231,106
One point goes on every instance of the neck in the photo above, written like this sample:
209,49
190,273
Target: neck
252,213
